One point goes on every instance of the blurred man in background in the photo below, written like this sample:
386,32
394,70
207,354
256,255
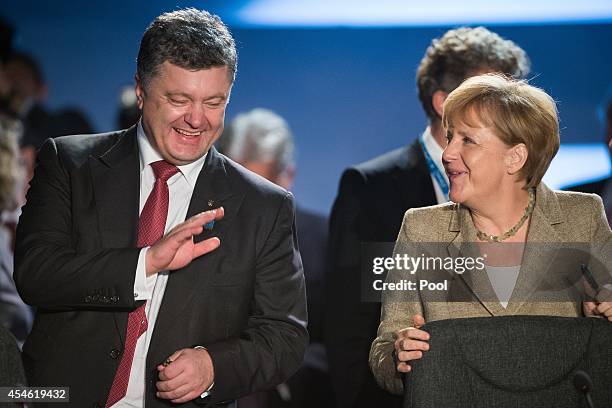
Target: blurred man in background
262,142
27,93
127,111
15,315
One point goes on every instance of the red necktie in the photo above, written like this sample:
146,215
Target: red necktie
151,227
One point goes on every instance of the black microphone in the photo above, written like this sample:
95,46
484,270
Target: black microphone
584,385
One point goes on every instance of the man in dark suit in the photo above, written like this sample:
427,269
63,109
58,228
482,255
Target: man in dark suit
200,299
261,141
373,197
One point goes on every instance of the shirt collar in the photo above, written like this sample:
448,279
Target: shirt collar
433,148
148,155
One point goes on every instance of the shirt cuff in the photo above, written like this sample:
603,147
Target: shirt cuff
207,392
143,285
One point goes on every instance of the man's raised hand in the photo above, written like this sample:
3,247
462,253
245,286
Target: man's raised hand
176,249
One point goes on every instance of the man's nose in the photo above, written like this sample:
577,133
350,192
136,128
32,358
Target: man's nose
196,116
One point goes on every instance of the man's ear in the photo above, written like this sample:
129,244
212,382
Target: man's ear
516,157
139,89
437,101
286,178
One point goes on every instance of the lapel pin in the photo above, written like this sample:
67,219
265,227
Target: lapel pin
209,225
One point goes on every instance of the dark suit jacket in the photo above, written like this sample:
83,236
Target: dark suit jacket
37,125
76,258
595,187
11,369
370,206
312,237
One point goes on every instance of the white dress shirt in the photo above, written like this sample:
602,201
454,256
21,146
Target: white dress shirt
152,289
435,152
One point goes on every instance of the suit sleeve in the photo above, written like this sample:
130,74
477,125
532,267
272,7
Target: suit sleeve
272,346
49,272
396,314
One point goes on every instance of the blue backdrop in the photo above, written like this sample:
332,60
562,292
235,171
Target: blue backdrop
348,93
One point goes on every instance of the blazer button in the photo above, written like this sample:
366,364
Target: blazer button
114,354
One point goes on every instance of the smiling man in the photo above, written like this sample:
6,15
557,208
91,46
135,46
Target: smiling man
161,271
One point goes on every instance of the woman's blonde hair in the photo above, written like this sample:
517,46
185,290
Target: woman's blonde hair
516,111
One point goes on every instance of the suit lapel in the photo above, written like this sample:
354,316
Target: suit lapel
116,183
541,249
213,189
543,240
464,245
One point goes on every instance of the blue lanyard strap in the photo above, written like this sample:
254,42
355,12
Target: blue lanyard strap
434,170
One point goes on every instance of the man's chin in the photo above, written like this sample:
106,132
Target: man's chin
184,158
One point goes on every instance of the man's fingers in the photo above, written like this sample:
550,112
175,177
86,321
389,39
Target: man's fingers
171,367
206,216
199,219
174,394
182,229
206,246
173,384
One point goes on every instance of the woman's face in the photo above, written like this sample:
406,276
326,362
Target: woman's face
475,162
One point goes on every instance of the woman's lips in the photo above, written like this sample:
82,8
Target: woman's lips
453,174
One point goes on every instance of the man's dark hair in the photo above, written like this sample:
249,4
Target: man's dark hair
189,38
462,53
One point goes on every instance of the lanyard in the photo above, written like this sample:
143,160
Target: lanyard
434,170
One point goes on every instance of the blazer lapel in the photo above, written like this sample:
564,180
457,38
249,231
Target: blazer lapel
464,245
116,183
541,249
213,189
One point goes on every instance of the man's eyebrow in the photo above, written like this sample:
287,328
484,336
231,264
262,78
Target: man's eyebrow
217,96
174,94
171,94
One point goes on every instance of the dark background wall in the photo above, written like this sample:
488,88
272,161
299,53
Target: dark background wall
348,93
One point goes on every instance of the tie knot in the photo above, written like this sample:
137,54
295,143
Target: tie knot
164,170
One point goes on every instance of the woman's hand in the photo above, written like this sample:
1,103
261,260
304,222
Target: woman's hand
410,344
601,307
